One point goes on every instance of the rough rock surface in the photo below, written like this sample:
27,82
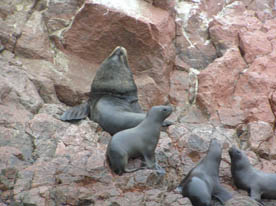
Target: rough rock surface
214,61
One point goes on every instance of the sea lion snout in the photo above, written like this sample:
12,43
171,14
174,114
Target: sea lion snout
234,152
119,51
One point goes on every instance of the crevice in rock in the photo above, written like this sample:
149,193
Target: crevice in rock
32,138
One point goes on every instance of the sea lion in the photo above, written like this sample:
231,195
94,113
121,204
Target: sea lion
113,100
257,183
202,182
139,141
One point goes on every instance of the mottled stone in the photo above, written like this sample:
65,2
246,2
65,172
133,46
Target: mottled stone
34,41
239,200
254,44
144,30
217,86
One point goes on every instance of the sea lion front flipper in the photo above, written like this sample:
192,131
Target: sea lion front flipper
221,193
166,123
76,113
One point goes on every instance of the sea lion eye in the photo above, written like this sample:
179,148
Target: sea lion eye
164,110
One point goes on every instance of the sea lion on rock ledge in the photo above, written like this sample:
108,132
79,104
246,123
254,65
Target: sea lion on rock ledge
140,141
202,182
113,100
257,183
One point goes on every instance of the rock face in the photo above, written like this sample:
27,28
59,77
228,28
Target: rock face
145,31
214,61
245,96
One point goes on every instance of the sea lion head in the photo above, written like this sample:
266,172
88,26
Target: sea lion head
159,113
215,149
238,159
114,76
235,153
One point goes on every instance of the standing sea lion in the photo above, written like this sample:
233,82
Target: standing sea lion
257,183
139,141
113,100
202,182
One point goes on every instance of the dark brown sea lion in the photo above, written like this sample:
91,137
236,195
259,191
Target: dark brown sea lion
139,141
202,182
258,184
113,101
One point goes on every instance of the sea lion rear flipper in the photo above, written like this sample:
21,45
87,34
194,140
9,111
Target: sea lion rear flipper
222,194
76,113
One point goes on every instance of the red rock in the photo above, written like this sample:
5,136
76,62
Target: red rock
258,81
272,103
145,31
34,41
217,85
192,41
226,26
59,13
149,94
259,135
264,9
212,7
254,44
8,35
19,98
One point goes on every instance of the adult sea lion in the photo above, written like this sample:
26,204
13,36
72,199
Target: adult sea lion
139,141
113,100
202,182
257,183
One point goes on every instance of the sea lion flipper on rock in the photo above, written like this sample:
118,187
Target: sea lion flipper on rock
76,113
221,193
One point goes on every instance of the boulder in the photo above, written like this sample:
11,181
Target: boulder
144,30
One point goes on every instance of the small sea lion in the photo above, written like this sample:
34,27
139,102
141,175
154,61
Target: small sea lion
258,184
202,182
139,141
113,100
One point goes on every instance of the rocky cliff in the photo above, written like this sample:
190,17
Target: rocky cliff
214,60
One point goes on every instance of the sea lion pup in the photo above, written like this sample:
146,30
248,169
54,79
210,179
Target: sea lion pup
257,183
202,182
113,100
139,141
